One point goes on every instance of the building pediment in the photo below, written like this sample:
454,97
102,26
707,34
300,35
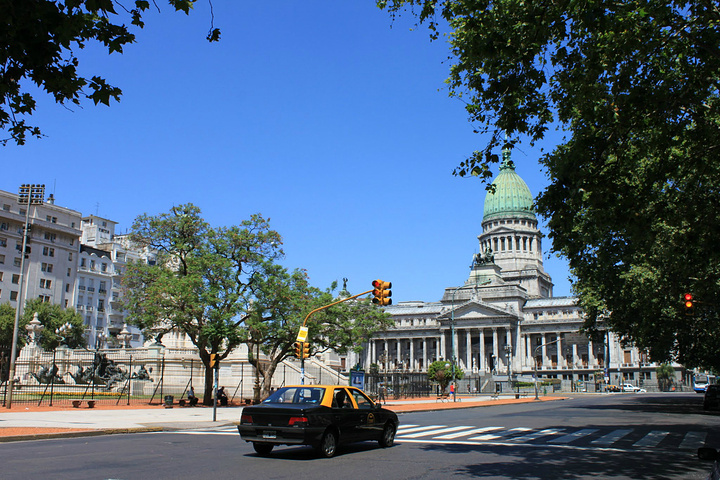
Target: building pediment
504,229
476,310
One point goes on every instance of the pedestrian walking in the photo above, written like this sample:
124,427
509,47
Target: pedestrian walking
381,395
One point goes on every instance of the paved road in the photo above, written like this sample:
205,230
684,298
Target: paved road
613,437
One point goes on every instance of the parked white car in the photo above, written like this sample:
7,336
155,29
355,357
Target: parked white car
632,388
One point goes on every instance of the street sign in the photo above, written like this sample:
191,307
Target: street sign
357,379
302,334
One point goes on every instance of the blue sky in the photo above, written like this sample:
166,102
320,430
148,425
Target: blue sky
325,116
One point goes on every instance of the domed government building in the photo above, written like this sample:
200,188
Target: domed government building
503,322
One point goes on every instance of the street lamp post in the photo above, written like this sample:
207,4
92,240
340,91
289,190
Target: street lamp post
508,351
29,194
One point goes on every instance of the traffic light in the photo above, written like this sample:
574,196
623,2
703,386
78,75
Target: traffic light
306,350
213,360
689,303
382,292
299,349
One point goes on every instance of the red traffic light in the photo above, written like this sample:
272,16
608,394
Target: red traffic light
688,300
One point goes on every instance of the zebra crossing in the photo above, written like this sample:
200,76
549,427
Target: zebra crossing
610,438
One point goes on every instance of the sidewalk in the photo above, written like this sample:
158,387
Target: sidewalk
24,422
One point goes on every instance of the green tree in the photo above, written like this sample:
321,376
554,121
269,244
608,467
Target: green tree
635,182
202,281
39,42
282,301
666,376
441,371
7,323
51,316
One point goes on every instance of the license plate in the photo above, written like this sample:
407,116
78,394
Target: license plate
269,434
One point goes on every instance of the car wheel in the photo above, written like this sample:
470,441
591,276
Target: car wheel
263,448
388,436
328,444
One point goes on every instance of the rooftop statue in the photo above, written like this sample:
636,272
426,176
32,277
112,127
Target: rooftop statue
484,258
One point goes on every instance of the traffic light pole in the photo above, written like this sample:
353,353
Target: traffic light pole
302,352
331,304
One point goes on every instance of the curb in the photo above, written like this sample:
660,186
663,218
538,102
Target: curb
82,433
459,405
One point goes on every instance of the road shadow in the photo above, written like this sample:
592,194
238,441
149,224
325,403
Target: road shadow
540,463
304,453
671,403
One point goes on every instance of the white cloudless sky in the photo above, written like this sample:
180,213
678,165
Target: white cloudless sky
325,116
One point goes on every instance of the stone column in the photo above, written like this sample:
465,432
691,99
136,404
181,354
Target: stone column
468,350
398,358
508,342
425,354
544,351
443,351
386,352
591,355
481,361
559,350
574,353
412,355
495,348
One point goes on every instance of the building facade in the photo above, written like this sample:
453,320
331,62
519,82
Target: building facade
52,250
103,259
503,322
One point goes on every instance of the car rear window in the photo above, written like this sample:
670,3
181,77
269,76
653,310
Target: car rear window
312,395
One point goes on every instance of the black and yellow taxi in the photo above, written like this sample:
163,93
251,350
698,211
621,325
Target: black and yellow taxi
323,416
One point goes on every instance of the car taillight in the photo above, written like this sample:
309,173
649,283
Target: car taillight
246,419
297,421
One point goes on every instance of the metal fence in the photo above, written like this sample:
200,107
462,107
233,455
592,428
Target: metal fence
139,376
399,385
110,377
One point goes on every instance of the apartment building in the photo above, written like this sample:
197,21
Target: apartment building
51,256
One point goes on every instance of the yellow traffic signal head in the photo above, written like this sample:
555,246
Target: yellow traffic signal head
306,350
299,349
382,293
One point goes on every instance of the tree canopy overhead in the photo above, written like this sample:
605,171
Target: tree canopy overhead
39,44
635,185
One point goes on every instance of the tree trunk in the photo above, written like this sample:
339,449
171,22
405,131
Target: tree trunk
267,377
209,384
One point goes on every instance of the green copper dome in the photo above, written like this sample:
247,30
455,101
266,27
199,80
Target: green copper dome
512,197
